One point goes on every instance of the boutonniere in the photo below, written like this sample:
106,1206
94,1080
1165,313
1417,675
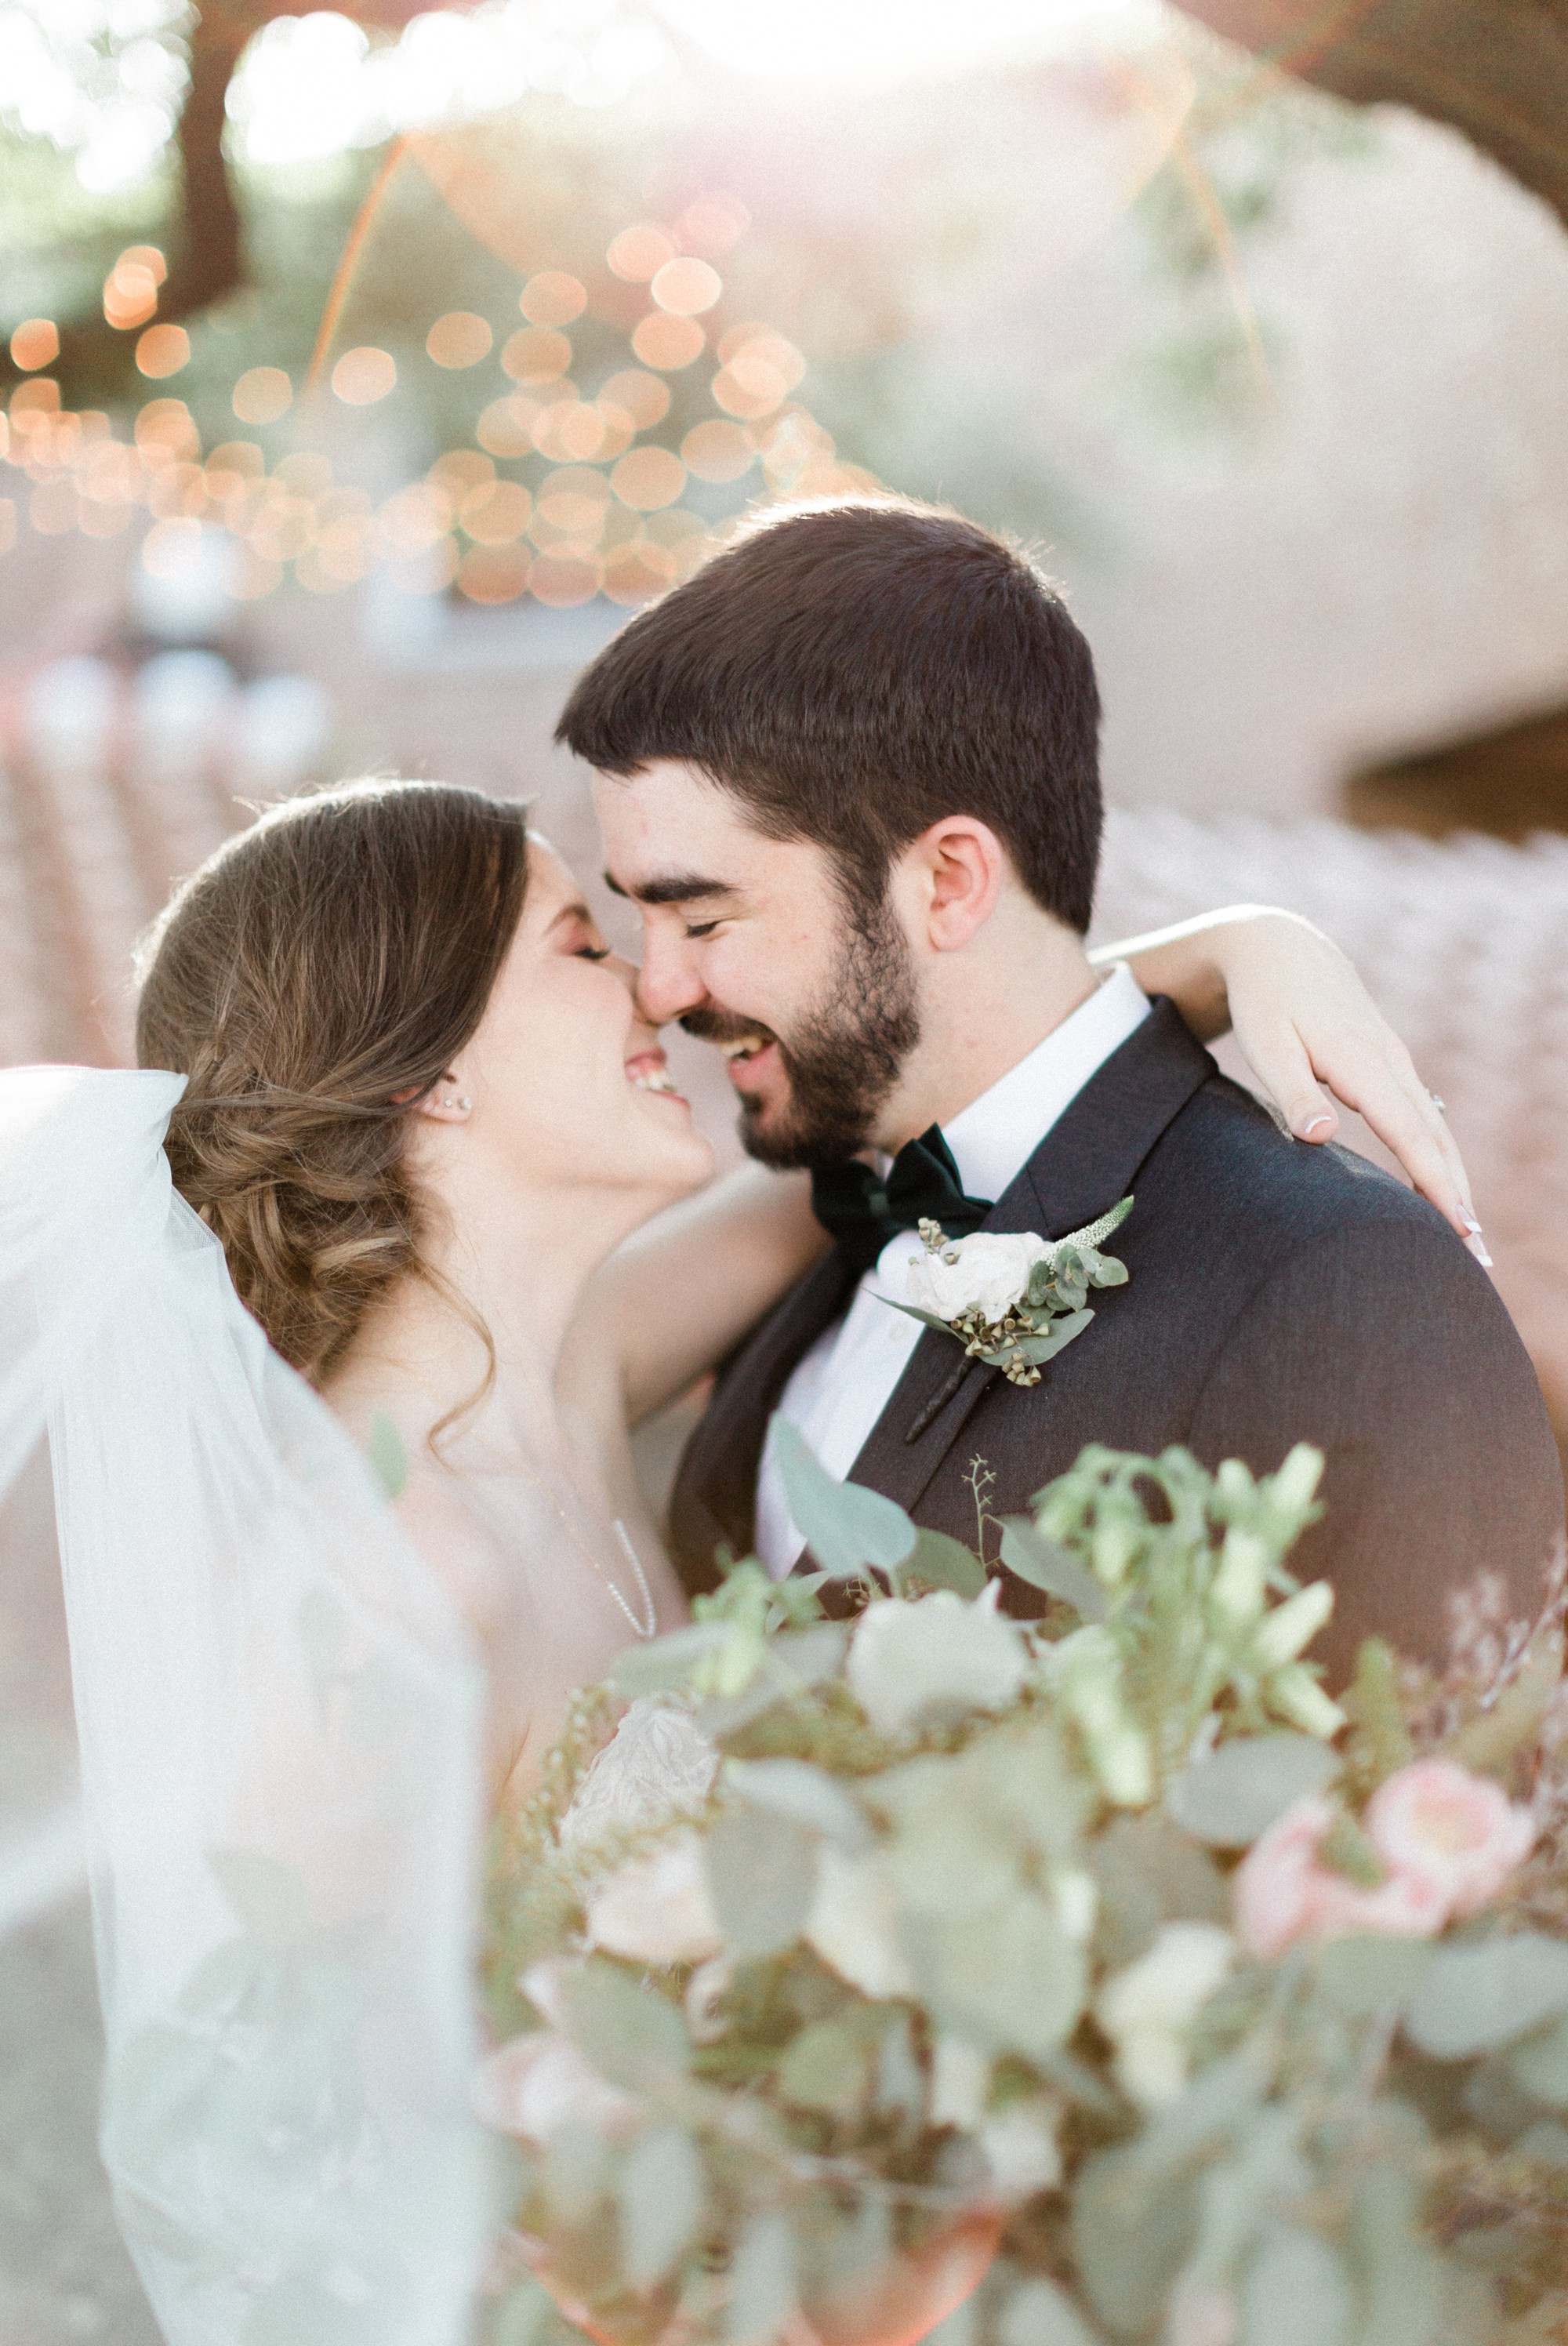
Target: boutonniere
1012,1298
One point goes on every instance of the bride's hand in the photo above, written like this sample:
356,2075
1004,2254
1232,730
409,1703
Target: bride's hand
1304,1021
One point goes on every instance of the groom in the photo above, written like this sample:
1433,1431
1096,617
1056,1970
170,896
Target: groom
848,772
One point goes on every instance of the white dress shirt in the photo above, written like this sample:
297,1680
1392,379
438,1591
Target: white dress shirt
842,1386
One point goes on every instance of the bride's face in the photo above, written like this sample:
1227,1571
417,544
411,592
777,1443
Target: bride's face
568,1087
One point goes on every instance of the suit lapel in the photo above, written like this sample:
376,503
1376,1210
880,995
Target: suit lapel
1087,1160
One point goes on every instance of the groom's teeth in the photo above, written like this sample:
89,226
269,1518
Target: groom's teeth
745,1047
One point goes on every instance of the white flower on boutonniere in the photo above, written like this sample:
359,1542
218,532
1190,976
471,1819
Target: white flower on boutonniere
1012,1298
987,1272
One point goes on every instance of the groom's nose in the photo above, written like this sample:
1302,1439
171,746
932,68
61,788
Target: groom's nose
668,983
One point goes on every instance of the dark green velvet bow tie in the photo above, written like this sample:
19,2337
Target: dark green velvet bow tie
863,1212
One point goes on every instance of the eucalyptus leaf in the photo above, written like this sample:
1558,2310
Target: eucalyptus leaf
1149,1871
1235,1794
1038,2313
1540,2064
846,1528
1399,2271
1296,2292
1546,2142
1132,2234
792,1661
1007,1978
942,1562
808,1796
524,2314
761,1874
761,2284
913,1311
1365,1976
1047,1566
1041,1349
627,2031
900,2083
828,2068
661,2189
1475,1997
668,1662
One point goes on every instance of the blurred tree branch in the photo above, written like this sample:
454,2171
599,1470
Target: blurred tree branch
1495,69
206,255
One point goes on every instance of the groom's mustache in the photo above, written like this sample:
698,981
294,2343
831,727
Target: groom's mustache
711,1025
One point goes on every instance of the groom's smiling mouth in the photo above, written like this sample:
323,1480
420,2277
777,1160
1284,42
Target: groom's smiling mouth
747,1047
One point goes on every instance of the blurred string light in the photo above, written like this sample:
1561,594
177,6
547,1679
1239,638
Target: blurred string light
608,515
104,79
314,85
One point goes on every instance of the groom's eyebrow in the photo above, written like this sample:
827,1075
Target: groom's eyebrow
679,888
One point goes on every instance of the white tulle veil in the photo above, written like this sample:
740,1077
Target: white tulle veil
280,1723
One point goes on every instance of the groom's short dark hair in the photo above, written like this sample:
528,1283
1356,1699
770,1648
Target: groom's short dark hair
854,672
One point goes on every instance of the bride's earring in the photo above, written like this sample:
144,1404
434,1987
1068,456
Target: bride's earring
463,1105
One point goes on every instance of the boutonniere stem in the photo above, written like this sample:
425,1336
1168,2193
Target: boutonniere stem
1012,1298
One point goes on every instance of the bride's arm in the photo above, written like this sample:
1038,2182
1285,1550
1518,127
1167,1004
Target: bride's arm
1303,1019
687,1287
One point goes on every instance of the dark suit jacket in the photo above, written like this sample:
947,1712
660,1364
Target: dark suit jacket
1277,1294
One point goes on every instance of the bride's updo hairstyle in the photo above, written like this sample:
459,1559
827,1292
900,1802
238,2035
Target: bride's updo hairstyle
313,979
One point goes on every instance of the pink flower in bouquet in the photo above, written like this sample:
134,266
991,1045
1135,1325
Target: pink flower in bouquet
1285,1891
1464,1834
536,2085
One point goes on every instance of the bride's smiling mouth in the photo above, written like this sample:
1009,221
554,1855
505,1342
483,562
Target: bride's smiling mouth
648,1072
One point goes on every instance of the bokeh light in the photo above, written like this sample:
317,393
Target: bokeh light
667,343
639,253
647,478
535,354
36,343
163,350
363,376
718,451
711,225
686,286
263,394
459,338
130,289
552,297
642,398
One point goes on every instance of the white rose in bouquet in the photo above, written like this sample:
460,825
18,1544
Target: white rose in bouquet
657,1909
914,1665
987,1272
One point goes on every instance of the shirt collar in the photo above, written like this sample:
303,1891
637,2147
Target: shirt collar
995,1135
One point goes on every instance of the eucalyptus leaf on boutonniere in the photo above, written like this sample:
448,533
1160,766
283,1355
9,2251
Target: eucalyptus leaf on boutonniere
1012,1298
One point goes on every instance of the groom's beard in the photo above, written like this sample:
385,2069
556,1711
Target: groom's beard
843,1057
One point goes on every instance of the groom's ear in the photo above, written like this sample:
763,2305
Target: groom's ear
956,870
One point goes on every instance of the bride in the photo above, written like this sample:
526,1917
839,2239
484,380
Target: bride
427,1169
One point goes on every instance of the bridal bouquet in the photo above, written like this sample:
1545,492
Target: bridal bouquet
1100,1961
